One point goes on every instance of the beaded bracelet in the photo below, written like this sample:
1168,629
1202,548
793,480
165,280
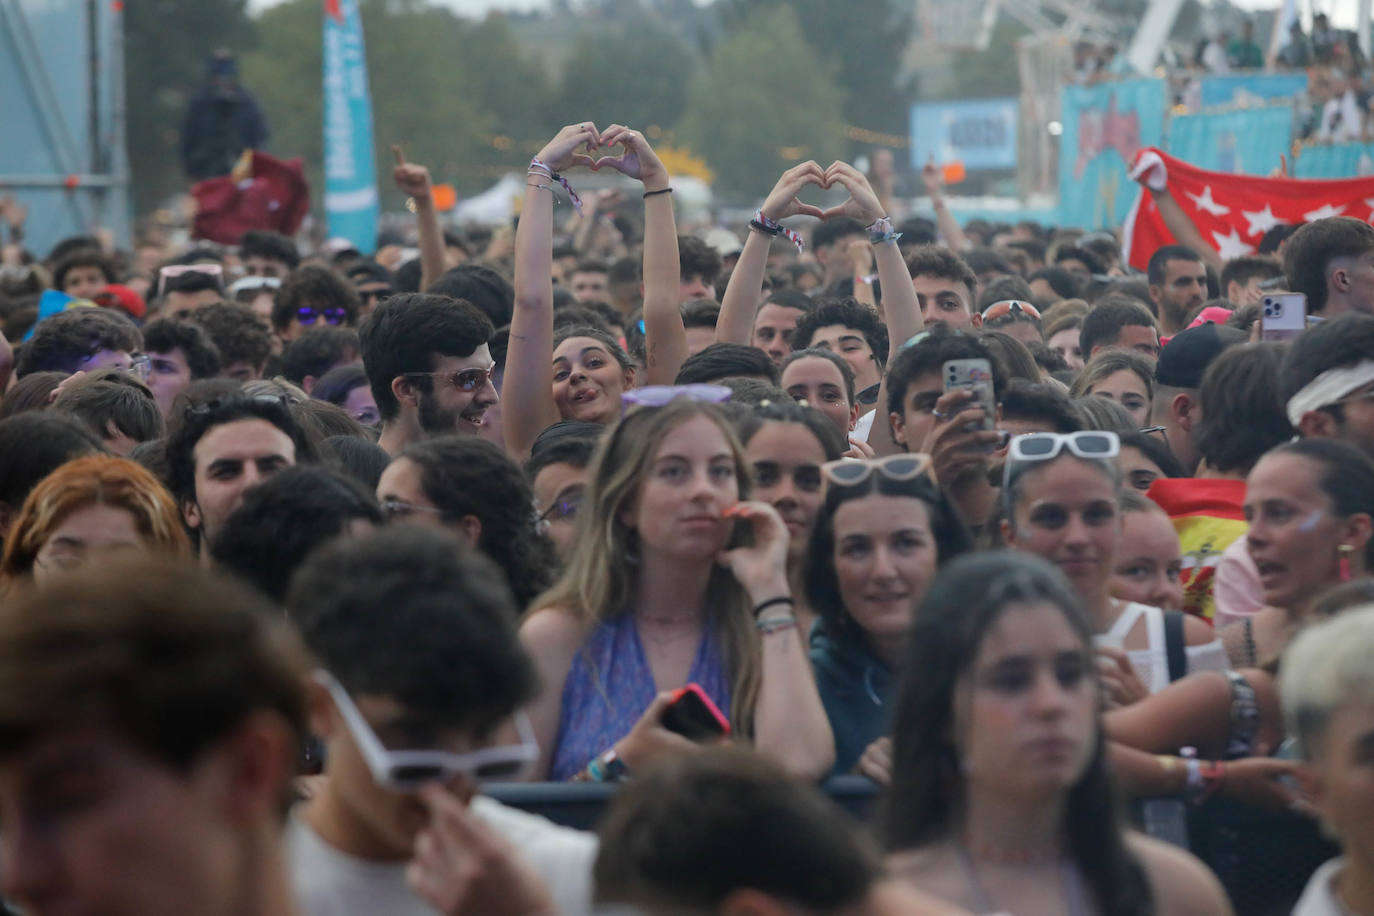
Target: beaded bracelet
535,163
773,227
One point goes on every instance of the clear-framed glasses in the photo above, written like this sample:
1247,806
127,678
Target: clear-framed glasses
805,477
661,395
408,770
140,367
464,380
847,472
394,509
332,316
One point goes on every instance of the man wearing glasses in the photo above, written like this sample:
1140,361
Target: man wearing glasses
417,709
429,366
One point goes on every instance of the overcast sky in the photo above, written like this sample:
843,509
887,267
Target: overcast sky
1342,12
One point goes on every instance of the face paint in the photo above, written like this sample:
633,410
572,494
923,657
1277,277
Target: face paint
1311,521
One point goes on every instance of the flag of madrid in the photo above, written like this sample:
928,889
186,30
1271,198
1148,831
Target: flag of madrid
1231,212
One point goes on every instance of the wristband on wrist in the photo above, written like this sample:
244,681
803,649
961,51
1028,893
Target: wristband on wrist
772,602
537,165
775,624
880,230
773,227
648,194
608,767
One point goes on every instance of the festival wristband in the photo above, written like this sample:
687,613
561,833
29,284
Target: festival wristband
535,163
773,227
880,230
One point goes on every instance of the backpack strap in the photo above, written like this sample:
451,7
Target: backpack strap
1174,649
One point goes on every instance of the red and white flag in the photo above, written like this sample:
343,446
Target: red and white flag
1231,212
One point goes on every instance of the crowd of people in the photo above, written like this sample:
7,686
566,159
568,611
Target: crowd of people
1060,564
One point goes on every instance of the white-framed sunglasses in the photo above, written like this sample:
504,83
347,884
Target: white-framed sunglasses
1088,443
408,770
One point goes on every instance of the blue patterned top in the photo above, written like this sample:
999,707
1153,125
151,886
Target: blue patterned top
609,685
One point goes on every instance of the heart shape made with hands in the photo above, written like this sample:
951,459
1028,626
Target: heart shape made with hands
627,162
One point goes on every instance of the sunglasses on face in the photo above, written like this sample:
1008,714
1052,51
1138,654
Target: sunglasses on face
408,770
394,509
805,477
566,506
377,295
848,472
308,316
464,380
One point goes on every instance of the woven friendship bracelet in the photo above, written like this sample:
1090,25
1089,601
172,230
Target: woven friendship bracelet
773,227
572,195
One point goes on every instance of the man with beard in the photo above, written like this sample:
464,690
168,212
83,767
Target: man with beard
1178,284
430,368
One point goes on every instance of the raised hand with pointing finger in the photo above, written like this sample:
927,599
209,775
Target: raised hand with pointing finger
412,179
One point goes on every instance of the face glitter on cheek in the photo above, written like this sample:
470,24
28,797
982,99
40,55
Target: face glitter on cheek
1310,522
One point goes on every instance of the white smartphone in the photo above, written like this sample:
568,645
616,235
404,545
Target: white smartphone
1283,316
973,375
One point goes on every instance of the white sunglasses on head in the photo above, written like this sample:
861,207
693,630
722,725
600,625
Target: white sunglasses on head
407,771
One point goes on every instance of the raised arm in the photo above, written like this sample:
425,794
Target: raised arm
901,308
665,339
741,299
953,234
413,179
527,405
1183,229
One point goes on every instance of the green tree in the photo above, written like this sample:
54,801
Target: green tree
423,95
864,41
166,43
765,102
617,76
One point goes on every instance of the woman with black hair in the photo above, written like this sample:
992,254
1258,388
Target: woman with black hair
786,445
1000,794
471,488
883,531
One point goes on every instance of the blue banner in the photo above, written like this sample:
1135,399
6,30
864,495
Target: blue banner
1340,160
350,174
1251,88
980,133
1244,141
1104,127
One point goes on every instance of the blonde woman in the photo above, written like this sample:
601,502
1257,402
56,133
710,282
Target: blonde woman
652,599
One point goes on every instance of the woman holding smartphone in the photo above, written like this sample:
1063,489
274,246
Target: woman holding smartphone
1000,794
651,599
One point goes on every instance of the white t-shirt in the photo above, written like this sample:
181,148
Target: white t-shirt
328,882
1152,663
1319,897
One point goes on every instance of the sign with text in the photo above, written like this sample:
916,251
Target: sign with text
980,133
